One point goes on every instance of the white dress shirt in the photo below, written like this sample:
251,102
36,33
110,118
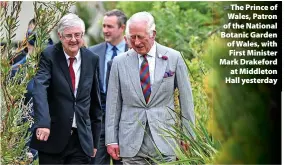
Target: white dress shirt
151,61
121,47
77,70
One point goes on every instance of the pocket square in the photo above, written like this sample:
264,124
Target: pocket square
168,74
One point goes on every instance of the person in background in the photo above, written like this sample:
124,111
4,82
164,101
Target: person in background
114,23
21,60
66,99
29,43
140,90
24,50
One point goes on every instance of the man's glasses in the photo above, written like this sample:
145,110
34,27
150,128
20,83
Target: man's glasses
70,36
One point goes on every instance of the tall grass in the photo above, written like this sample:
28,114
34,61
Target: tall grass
202,147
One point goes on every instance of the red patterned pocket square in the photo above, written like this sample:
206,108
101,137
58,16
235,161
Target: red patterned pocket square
168,74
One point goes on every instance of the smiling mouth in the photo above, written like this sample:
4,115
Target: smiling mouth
73,45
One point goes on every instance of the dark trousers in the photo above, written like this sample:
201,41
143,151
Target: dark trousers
102,157
72,154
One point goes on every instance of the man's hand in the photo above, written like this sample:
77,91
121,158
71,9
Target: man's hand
185,146
114,151
94,152
42,134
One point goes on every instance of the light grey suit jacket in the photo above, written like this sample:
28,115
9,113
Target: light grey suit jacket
127,111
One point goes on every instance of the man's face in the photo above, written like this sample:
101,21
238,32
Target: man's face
140,40
30,48
71,40
112,32
31,26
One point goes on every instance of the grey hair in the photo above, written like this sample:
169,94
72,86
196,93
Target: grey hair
145,17
127,29
119,14
70,20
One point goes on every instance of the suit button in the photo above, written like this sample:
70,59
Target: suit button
71,119
75,103
143,123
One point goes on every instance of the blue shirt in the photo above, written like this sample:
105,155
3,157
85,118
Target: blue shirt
121,47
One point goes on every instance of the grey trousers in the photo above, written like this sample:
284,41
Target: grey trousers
148,153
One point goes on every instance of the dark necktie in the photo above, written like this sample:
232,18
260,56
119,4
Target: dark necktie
145,78
71,72
114,51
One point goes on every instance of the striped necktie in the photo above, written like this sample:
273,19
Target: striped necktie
145,78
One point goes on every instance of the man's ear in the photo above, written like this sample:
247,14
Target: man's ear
59,36
123,27
125,38
154,34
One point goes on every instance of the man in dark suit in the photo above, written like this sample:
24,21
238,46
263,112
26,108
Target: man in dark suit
66,99
114,24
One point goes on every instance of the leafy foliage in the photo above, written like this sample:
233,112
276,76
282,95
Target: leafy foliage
179,22
84,13
15,114
130,8
203,147
242,115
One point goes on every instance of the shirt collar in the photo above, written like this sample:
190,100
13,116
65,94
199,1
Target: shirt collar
121,46
152,51
77,57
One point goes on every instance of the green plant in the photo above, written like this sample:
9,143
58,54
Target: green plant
14,113
202,148
244,117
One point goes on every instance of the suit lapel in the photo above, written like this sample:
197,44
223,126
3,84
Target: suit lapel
133,62
102,55
160,68
82,70
63,65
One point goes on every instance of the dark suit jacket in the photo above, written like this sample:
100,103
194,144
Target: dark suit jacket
19,57
100,50
55,103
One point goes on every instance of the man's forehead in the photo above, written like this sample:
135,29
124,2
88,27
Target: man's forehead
72,29
110,18
138,28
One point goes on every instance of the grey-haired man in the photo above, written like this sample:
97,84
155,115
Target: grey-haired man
140,90
66,99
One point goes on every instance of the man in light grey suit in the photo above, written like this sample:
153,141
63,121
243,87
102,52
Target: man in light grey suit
140,90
